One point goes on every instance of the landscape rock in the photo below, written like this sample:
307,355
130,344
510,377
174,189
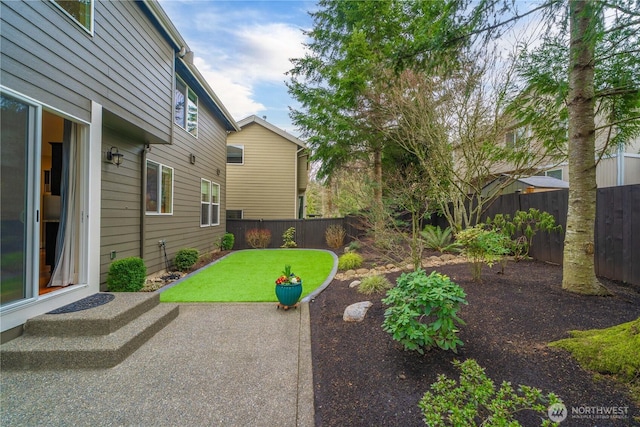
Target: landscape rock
447,257
362,271
356,312
354,283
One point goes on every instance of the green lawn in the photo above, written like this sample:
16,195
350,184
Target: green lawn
250,275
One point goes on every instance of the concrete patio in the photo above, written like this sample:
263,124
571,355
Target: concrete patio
225,364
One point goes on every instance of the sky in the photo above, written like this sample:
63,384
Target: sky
243,49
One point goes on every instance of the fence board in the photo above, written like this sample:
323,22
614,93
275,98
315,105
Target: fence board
617,233
310,233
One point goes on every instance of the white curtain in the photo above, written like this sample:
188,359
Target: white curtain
66,269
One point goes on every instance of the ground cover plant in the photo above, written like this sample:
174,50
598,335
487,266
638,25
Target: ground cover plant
362,377
614,350
249,276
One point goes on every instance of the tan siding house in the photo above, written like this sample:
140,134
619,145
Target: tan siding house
267,172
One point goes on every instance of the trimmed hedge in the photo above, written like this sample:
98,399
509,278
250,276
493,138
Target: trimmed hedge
127,275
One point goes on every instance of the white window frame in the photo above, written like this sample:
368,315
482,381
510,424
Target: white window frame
513,137
213,205
241,147
161,168
186,95
88,30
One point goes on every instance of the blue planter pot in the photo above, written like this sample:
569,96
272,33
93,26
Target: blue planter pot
288,295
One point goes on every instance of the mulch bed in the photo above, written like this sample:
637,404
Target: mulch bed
364,378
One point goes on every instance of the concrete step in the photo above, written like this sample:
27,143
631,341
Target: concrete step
101,320
88,351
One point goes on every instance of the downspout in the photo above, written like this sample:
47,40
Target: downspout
295,193
143,198
620,161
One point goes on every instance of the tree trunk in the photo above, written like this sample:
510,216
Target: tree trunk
377,174
578,271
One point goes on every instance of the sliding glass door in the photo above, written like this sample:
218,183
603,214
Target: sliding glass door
19,201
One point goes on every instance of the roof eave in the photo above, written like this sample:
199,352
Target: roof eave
255,119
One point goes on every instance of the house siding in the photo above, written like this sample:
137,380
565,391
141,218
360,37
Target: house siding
264,187
120,202
182,229
126,66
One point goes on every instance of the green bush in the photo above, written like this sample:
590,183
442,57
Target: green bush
438,239
349,261
227,242
186,258
474,401
126,275
423,311
373,285
524,225
289,238
354,246
482,246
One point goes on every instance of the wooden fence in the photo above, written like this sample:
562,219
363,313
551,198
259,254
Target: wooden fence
617,231
310,233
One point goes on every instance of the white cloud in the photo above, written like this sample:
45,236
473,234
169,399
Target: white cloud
255,55
243,50
265,50
236,96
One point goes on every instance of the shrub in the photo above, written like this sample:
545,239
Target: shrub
475,401
227,242
126,275
186,258
349,261
525,225
258,238
334,235
373,285
482,246
288,238
423,311
354,246
438,239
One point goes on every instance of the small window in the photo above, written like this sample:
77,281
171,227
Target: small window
159,188
209,203
514,137
205,202
186,108
234,214
80,11
235,154
556,173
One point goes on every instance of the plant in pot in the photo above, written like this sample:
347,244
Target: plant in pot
288,289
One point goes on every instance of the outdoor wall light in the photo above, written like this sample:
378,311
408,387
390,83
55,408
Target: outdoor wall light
114,156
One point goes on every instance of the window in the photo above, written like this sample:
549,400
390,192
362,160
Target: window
209,203
186,108
235,154
514,137
234,214
80,11
556,173
159,188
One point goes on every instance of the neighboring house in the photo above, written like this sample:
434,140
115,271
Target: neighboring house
113,145
267,172
620,167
